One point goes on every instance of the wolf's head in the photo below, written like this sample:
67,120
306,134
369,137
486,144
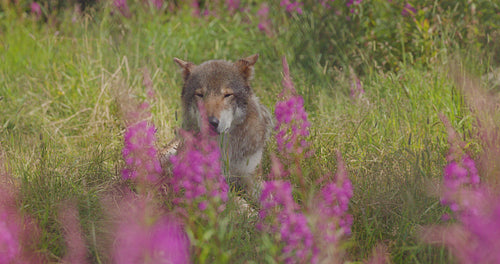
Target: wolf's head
222,87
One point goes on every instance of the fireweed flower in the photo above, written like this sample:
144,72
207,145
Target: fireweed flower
158,4
18,233
351,2
139,153
196,8
75,243
143,236
475,236
36,10
10,222
481,223
122,6
281,215
460,174
408,10
331,205
9,238
264,21
292,125
233,5
356,91
196,170
292,6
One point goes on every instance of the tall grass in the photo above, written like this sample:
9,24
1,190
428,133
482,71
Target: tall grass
62,125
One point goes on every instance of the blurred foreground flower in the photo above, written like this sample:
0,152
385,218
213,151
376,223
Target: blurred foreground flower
145,235
18,233
197,177
140,152
76,252
280,214
475,237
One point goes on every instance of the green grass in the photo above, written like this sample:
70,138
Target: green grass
61,129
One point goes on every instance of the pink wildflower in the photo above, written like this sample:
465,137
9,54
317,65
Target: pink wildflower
9,238
332,204
264,21
139,153
122,6
36,10
75,242
143,236
475,236
408,10
18,233
196,8
197,170
460,174
233,5
292,124
157,3
279,208
292,6
357,90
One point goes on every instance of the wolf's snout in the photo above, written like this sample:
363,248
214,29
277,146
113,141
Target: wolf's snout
213,121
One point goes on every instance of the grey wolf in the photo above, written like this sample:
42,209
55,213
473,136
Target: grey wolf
234,112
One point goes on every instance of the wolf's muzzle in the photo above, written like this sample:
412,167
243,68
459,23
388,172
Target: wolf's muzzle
214,122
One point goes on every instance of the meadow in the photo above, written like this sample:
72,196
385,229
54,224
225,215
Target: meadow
399,96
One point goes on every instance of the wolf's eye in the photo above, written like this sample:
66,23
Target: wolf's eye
228,95
200,95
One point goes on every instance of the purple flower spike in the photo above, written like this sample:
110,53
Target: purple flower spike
458,176
286,220
408,10
143,237
139,153
292,125
158,4
36,10
292,6
357,90
196,170
332,204
475,235
264,21
233,5
9,239
122,6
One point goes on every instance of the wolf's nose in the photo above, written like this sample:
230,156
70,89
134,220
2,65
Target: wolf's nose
213,121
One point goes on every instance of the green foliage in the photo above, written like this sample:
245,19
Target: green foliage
61,129
376,34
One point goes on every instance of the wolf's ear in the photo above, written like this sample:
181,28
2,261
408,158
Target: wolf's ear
186,66
245,66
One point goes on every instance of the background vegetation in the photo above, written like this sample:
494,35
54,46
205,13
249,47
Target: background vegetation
374,75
